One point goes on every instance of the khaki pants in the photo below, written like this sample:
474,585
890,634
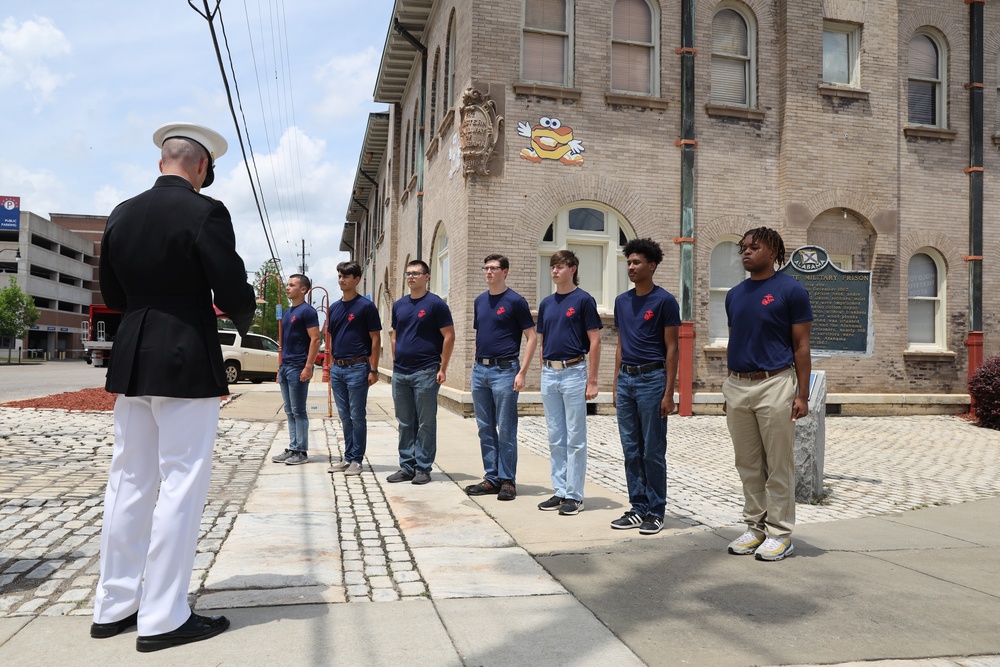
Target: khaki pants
759,417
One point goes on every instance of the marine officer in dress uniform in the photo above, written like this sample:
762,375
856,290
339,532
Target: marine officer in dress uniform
164,256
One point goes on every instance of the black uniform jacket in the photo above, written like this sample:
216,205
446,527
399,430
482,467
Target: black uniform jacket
164,255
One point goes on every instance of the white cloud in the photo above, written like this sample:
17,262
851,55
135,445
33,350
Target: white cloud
24,50
347,82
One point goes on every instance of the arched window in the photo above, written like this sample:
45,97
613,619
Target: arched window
413,146
546,43
404,170
926,301
725,272
434,93
449,64
597,235
441,266
633,48
926,84
734,41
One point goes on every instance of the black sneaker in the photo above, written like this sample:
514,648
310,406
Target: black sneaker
400,476
507,490
282,457
625,521
484,488
421,477
296,458
571,507
651,525
553,503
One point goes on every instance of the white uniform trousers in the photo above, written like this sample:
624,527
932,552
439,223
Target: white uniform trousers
157,486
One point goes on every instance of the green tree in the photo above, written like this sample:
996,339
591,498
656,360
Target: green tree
17,312
274,293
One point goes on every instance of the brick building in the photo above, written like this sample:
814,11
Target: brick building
841,123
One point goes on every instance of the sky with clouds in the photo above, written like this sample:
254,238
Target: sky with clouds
84,84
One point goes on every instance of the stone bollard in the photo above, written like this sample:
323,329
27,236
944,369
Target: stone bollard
810,443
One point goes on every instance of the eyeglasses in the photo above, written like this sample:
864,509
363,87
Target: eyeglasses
414,274
491,269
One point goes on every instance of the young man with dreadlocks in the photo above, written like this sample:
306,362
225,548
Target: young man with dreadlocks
766,391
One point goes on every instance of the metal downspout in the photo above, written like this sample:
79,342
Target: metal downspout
975,171
687,145
420,135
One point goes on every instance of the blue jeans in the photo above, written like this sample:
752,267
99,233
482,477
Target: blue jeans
349,385
495,403
564,399
294,393
644,440
415,398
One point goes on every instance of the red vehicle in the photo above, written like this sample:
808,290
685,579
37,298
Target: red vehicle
99,334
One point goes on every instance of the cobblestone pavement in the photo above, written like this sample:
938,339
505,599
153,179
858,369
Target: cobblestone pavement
53,468
378,565
874,465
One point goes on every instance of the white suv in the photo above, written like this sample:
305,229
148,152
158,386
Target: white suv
252,357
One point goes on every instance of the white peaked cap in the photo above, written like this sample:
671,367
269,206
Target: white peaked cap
211,141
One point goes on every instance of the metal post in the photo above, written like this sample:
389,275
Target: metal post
974,343
685,241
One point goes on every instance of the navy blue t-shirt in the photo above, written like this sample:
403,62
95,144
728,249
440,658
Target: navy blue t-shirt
350,325
761,314
641,321
564,320
499,320
418,324
294,337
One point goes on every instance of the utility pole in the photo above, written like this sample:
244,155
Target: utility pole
303,266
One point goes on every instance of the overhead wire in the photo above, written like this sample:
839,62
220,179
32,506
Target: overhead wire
209,16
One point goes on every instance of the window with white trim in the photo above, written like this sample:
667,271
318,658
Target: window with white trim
633,47
926,276
598,236
926,101
546,43
441,268
733,76
449,64
841,53
725,272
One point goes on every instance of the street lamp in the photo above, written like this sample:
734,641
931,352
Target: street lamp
17,254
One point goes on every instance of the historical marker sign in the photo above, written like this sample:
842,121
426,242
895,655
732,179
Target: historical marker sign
841,303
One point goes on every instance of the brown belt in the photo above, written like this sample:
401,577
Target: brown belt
759,375
349,362
559,365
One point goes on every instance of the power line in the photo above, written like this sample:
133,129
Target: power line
209,16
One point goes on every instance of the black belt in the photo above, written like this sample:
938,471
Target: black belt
644,368
559,365
349,362
502,362
759,375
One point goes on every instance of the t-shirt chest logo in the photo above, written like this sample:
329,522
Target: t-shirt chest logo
571,312
767,300
293,318
421,313
501,310
649,315
350,318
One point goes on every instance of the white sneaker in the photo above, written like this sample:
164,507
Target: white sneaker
353,469
745,544
774,548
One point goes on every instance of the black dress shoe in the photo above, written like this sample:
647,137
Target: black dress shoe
194,629
105,630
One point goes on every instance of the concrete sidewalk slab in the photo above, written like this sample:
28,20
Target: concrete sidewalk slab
440,515
547,630
874,534
977,569
254,597
975,522
302,488
710,608
10,627
471,573
368,634
279,551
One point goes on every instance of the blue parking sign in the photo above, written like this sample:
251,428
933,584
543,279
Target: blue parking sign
10,210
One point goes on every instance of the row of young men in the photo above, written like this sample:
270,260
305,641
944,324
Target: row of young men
765,391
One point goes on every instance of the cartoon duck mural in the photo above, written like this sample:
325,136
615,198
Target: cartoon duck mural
550,140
